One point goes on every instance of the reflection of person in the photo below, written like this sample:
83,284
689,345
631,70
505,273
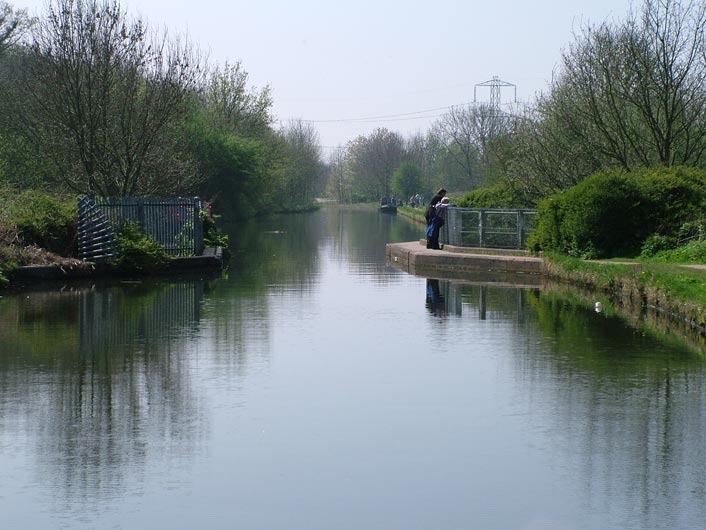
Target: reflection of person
437,221
434,300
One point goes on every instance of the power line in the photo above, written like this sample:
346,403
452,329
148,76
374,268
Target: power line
405,116
388,117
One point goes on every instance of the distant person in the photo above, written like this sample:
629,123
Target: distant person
437,221
429,214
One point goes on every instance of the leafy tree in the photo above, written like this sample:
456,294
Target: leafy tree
234,106
230,166
406,181
427,152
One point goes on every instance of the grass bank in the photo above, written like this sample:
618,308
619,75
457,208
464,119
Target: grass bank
677,290
416,214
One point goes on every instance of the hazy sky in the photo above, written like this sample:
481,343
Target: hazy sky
397,62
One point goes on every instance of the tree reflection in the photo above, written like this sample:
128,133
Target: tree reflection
103,397
625,405
628,406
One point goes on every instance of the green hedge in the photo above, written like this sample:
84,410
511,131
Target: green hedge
39,219
498,196
613,213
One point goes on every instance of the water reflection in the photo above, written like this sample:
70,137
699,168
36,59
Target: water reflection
435,300
101,373
627,410
314,368
622,410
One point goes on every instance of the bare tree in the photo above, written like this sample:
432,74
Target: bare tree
426,151
303,172
372,161
107,95
635,93
13,25
669,42
627,95
338,183
465,131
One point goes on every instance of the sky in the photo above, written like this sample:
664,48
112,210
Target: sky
351,67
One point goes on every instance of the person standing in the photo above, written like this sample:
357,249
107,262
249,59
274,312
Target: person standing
438,220
431,209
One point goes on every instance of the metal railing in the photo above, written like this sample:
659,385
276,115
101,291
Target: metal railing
174,222
488,227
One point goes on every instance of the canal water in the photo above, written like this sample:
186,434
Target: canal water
312,387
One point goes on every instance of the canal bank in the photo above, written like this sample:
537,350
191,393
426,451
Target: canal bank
636,288
210,260
413,257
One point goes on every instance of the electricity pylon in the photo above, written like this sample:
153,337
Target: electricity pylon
495,85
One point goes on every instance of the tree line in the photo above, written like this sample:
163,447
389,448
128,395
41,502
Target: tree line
96,102
625,95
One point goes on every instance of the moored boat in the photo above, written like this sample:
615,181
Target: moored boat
388,205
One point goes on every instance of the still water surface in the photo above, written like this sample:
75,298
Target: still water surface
315,388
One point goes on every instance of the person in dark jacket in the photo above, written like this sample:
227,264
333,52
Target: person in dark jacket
431,209
437,221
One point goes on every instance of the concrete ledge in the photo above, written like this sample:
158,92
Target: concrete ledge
415,258
483,251
212,258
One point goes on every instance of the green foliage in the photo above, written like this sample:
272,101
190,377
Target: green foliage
20,165
213,236
42,220
692,252
406,180
614,213
655,244
232,167
138,253
499,196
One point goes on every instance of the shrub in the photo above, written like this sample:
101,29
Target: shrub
213,236
498,196
614,213
45,221
692,252
657,243
137,253
674,197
